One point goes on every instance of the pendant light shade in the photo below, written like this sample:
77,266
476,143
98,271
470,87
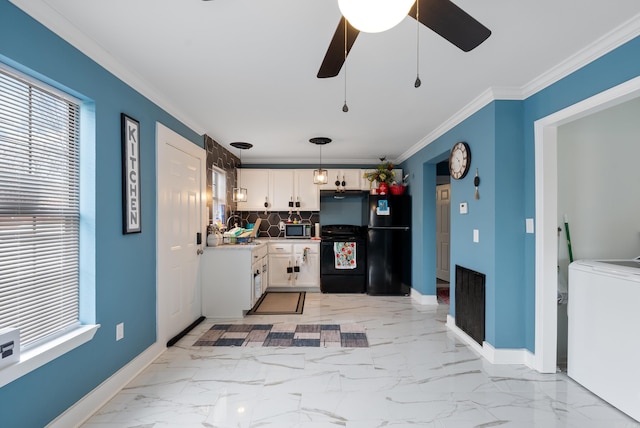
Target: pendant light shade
320,176
375,16
240,193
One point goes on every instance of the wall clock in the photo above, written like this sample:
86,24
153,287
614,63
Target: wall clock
459,160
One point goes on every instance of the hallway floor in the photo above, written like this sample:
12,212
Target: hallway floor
415,373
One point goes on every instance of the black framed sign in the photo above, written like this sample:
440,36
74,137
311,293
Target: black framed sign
131,216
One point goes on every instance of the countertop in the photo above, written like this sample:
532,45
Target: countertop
261,242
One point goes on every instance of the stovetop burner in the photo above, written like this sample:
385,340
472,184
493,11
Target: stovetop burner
342,232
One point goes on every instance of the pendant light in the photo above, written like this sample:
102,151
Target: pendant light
375,16
240,193
320,176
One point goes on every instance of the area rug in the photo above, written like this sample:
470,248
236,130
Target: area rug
279,303
285,335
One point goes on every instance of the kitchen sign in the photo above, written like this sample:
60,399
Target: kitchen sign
130,175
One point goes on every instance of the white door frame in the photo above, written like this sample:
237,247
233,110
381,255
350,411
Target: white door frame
179,142
546,191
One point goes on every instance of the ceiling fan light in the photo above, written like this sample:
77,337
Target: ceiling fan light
375,16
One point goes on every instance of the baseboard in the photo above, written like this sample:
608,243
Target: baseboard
488,352
423,299
82,410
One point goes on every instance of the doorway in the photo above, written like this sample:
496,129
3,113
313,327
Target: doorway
546,191
181,215
443,229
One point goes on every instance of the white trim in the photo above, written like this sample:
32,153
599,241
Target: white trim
423,299
488,352
38,356
480,101
54,21
546,185
86,407
610,41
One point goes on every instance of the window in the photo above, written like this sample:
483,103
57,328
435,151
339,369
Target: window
39,208
219,194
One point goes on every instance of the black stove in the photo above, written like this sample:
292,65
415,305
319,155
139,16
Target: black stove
340,232
343,259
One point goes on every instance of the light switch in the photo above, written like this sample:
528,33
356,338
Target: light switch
463,208
529,223
476,235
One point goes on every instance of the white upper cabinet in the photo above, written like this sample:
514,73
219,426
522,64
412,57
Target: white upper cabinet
306,192
350,177
282,190
256,181
278,187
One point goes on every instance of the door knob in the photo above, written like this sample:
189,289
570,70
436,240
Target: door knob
200,251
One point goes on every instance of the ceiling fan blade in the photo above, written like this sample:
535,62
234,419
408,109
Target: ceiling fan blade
452,23
334,57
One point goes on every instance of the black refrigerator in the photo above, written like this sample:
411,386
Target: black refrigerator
389,245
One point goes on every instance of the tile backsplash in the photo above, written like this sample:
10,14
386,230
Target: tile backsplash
270,221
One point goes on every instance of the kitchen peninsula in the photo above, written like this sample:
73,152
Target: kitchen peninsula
234,276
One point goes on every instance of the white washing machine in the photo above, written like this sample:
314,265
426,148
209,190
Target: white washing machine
603,330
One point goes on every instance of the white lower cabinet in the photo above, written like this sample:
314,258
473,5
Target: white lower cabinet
294,265
233,279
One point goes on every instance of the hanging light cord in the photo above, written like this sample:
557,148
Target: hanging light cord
417,82
345,108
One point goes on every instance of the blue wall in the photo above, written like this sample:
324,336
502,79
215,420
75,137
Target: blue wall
501,138
125,266
614,68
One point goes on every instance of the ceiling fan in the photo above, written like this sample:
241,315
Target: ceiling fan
442,16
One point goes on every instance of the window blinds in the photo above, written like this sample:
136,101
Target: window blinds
39,209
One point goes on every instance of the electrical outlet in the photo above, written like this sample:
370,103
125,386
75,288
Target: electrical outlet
120,331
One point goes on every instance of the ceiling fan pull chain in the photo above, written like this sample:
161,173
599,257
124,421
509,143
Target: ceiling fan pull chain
345,107
418,82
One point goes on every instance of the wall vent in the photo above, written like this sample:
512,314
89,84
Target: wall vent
470,302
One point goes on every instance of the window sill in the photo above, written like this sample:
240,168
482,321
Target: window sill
49,351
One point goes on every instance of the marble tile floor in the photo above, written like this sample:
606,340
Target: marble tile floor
415,373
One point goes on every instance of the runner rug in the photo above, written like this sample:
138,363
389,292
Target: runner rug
279,303
285,335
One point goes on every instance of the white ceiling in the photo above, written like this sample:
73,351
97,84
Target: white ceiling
245,70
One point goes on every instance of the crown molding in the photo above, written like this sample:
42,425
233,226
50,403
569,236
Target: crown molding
605,44
48,16
610,41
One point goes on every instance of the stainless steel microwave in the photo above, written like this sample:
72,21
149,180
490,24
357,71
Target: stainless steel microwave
300,230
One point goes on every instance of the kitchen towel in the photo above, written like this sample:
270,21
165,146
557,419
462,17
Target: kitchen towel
345,253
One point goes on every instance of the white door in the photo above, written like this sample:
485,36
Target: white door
443,208
181,216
